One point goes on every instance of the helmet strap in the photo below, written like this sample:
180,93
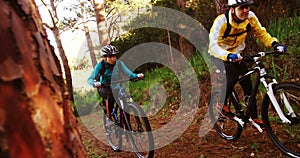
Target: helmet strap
235,18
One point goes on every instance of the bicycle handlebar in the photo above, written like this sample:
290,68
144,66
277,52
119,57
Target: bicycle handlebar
262,54
122,81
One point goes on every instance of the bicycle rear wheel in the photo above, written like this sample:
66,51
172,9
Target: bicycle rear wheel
113,133
284,135
139,131
226,127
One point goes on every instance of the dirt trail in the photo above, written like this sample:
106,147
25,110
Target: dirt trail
190,145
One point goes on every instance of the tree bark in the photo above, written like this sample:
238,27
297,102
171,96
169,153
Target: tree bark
101,22
36,117
87,34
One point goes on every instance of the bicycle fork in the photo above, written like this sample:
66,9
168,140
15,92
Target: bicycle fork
286,103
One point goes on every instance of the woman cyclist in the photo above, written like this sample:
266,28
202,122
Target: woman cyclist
107,69
226,46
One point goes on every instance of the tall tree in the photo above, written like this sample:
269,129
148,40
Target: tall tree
54,28
36,117
101,22
87,34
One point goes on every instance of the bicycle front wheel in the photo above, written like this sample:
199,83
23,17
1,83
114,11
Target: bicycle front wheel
139,131
113,132
226,127
286,136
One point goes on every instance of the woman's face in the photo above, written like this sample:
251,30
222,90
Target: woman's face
241,12
111,59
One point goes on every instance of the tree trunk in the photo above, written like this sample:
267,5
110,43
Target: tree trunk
221,6
87,34
101,22
36,117
62,53
170,47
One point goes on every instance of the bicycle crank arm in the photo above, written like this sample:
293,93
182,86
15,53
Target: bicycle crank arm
240,121
256,125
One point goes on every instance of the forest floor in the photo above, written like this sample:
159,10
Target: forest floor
189,144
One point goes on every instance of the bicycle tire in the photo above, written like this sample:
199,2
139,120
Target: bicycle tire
114,134
284,135
226,127
139,131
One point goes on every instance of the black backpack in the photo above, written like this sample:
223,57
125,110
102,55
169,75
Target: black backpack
228,27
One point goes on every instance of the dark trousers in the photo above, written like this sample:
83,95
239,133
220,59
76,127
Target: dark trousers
107,95
232,72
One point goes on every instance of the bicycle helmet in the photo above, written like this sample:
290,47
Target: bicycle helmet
108,50
235,3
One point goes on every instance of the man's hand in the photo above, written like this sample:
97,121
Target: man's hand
234,57
280,48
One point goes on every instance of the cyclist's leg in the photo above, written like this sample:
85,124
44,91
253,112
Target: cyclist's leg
107,100
231,78
110,100
246,85
230,71
232,74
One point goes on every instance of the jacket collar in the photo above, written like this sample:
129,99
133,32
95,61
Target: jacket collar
238,25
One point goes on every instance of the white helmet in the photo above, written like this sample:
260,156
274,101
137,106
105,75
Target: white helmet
235,3
109,50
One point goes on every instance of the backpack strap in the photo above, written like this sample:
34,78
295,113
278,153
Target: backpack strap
228,27
102,68
101,71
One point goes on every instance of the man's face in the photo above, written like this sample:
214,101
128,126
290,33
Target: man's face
242,12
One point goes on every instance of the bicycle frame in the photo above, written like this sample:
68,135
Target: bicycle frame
261,77
122,98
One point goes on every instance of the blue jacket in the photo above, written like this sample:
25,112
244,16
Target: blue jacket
106,77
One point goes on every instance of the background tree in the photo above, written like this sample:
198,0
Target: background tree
36,118
101,22
55,29
221,6
87,33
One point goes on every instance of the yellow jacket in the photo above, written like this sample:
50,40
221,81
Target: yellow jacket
220,47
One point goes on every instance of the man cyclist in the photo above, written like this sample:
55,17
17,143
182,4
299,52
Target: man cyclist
226,46
107,69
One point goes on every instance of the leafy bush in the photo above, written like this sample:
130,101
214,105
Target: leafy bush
85,102
287,30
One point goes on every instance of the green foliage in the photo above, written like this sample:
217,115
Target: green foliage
203,11
200,66
159,75
85,102
81,64
164,76
287,30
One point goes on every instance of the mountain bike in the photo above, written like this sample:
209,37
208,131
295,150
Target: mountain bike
129,120
280,109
